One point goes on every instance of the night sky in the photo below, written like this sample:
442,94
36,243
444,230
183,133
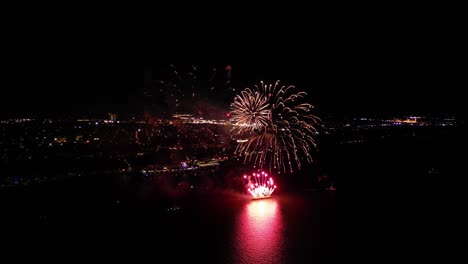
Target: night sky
387,63
390,83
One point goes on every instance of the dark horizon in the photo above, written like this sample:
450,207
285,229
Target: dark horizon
99,87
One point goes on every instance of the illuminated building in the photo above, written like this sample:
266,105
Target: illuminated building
113,117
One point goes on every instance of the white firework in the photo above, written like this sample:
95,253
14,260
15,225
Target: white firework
276,126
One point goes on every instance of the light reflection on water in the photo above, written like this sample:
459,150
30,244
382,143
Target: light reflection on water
258,235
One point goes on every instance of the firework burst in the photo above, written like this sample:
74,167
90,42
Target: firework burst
276,126
259,185
251,111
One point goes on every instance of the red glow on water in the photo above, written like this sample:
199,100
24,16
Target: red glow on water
259,236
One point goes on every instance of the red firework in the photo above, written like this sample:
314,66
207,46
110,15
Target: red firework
260,185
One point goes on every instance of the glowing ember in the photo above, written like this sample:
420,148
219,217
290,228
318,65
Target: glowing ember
259,185
274,126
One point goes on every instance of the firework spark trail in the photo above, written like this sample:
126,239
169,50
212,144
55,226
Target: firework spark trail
259,185
278,126
182,84
252,111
